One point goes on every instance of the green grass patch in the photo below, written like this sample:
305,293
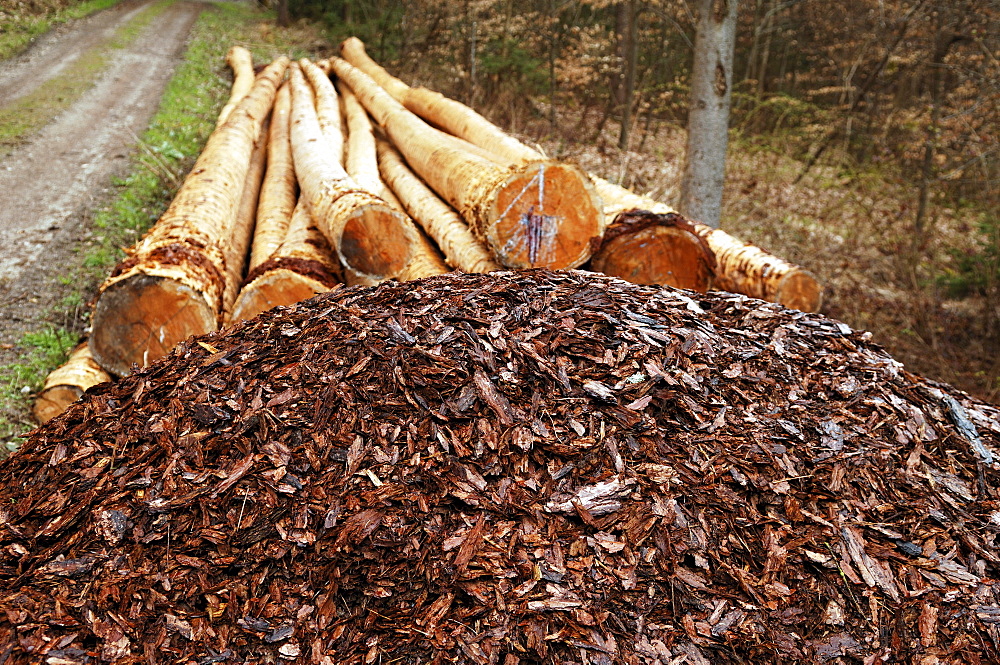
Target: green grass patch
33,111
43,351
19,31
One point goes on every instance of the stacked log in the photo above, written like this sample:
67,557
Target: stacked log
739,267
173,284
530,214
280,206
517,467
362,164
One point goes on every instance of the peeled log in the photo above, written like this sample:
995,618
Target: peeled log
242,233
302,266
327,106
739,267
172,285
279,190
461,248
65,384
536,214
241,62
372,239
362,165
448,114
649,248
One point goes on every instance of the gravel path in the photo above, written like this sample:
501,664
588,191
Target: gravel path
50,186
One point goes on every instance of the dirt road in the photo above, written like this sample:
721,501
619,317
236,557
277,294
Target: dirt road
50,186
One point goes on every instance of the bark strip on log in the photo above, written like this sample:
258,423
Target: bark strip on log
372,239
302,266
460,247
536,214
279,190
650,248
740,267
172,285
64,385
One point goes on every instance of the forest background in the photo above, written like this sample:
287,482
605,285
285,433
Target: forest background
863,134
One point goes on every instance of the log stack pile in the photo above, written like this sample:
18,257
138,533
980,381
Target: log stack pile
514,468
297,190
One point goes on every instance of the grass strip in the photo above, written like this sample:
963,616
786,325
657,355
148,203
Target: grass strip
19,31
166,151
30,113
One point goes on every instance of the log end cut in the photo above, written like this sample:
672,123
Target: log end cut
53,401
65,384
800,290
277,288
141,318
545,215
656,253
376,241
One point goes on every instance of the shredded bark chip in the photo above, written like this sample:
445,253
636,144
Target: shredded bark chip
516,468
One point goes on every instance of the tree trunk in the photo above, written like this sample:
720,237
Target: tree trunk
461,248
65,384
628,44
172,285
302,266
283,19
739,267
370,237
708,114
279,190
504,207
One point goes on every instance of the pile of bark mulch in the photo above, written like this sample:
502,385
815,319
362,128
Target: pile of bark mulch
513,468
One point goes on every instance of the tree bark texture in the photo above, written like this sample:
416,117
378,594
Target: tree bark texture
708,114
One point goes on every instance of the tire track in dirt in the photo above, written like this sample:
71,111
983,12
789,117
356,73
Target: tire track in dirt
52,52
50,185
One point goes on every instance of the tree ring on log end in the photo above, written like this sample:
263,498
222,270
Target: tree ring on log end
376,241
545,215
141,318
800,290
657,254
